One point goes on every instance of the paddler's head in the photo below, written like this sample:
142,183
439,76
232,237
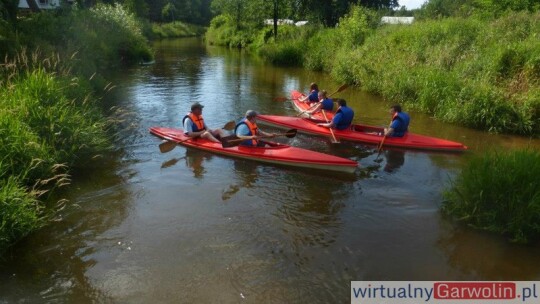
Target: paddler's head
196,108
251,115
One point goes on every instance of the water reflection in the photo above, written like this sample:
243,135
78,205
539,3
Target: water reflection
195,160
51,265
482,255
394,160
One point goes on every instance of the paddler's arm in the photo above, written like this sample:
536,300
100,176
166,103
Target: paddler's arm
266,134
188,129
326,125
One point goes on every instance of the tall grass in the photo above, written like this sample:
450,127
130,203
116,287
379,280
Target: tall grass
45,130
499,192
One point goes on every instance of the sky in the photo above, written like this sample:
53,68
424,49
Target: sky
411,4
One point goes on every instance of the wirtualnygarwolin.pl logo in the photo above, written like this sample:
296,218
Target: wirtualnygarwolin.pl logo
444,292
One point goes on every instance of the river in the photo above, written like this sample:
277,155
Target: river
193,227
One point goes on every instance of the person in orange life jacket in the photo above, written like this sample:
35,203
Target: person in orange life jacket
400,122
194,125
343,118
247,129
325,104
313,94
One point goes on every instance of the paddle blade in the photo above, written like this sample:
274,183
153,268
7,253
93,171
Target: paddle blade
230,141
229,126
341,88
167,146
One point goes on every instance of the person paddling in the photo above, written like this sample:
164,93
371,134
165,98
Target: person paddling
399,124
313,94
325,104
342,119
247,129
194,125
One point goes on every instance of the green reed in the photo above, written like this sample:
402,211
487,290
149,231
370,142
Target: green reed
499,192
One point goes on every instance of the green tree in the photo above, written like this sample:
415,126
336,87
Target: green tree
138,7
169,12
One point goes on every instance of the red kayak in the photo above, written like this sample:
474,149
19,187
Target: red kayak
303,106
362,133
275,153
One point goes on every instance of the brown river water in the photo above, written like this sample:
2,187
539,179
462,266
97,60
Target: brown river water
193,227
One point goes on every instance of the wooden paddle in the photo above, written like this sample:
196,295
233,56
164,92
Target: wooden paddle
334,139
233,140
382,142
168,145
380,147
341,88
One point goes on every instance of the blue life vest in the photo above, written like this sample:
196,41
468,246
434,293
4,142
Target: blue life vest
327,104
313,96
403,125
347,115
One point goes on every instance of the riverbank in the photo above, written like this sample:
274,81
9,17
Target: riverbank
51,118
476,72
174,29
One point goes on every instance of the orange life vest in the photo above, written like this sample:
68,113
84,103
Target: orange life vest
198,122
253,130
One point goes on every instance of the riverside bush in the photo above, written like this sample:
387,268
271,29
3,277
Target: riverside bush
102,37
499,192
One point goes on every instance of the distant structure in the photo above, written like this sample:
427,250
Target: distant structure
301,23
397,20
44,4
279,22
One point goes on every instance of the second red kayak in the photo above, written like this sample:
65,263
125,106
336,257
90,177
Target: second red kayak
363,133
275,153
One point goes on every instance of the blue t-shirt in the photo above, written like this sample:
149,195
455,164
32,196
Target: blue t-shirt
243,130
313,96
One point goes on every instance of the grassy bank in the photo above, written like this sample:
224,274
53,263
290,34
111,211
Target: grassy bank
174,29
499,192
51,121
478,72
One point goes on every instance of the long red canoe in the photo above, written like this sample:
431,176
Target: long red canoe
276,153
362,133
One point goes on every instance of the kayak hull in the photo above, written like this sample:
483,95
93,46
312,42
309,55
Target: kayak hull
276,153
363,133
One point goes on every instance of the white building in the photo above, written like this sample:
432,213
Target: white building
44,4
279,21
397,20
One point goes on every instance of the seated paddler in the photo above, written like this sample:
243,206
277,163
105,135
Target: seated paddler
247,129
194,125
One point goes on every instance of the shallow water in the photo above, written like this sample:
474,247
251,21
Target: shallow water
193,227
